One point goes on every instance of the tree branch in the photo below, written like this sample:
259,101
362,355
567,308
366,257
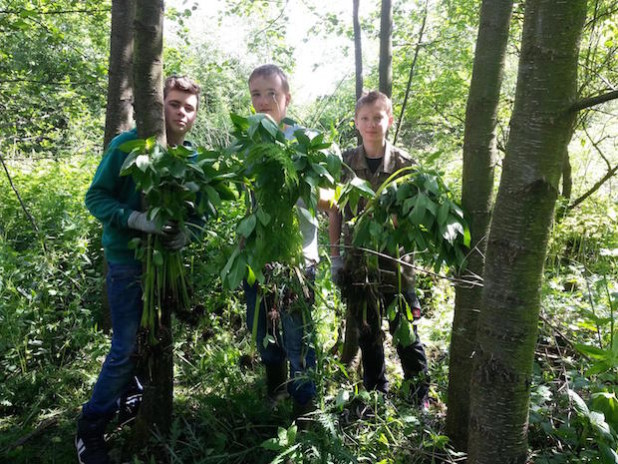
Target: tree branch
589,102
23,206
52,12
411,74
608,175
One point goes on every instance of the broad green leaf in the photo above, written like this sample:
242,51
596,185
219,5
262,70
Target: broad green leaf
591,351
416,216
452,230
270,126
608,454
142,162
263,216
363,186
212,195
443,212
247,225
578,402
237,271
137,144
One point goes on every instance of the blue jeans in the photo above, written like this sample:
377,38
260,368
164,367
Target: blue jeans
124,292
292,343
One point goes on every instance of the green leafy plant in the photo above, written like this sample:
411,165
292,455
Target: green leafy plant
413,211
276,173
174,183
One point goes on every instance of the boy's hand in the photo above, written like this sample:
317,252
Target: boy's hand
336,267
174,238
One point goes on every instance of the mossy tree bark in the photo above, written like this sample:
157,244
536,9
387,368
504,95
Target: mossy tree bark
385,67
119,110
479,159
156,408
540,129
358,49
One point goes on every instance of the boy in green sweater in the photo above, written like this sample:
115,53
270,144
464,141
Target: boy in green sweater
114,200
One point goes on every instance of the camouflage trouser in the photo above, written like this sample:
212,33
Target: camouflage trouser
368,314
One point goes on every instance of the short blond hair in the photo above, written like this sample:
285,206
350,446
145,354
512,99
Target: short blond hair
267,70
368,98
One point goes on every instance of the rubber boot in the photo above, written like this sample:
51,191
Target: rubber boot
276,382
302,414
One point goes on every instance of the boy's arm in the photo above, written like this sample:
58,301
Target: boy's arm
101,197
325,200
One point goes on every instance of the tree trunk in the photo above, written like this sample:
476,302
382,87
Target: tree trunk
479,159
417,49
119,111
349,352
541,127
148,70
156,408
358,51
386,48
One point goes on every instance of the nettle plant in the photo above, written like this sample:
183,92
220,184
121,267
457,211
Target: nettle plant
412,213
276,173
180,187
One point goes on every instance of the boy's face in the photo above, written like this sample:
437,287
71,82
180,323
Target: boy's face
268,96
180,113
373,121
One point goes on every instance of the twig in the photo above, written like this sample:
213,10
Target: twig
23,206
42,426
475,281
557,330
274,20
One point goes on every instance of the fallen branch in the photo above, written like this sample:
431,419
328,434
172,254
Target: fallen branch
40,429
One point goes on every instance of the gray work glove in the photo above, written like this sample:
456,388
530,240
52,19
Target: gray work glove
336,268
174,238
140,221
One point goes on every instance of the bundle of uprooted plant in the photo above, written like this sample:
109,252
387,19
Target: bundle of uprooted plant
180,187
412,214
276,173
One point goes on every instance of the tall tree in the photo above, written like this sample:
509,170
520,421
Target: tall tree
540,129
479,159
385,67
156,409
119,113
349,352
358,50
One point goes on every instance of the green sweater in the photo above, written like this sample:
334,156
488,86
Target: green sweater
112,198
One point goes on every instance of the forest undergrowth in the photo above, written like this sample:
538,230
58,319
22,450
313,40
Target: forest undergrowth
51,349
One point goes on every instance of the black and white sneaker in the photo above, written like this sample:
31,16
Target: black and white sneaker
90,441
129,403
